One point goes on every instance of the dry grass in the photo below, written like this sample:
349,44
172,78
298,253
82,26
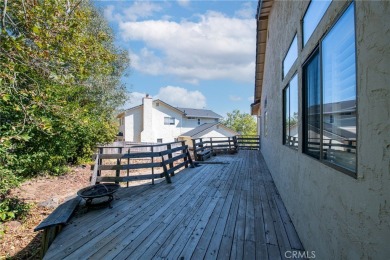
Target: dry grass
19,241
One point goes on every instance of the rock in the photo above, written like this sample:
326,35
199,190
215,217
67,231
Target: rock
14,225
50,203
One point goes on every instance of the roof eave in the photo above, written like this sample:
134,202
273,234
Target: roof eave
255,108
263,10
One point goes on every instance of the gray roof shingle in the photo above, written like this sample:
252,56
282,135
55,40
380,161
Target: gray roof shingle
199,129
204,113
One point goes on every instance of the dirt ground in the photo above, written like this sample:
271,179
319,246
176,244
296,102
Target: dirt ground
19,240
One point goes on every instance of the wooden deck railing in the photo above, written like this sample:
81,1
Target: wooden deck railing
224,144
214,145
162,159
248,142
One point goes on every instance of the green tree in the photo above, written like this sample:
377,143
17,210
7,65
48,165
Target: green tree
242,123
59,86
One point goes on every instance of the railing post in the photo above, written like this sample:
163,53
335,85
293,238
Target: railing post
167,177
194,147
169,146
128,163
211,143
151,147
100,162
185,151
230,147
118,162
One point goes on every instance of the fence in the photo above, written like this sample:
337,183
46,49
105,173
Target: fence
248,142
214,145
161,159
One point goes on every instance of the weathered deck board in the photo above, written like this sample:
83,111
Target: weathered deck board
224,211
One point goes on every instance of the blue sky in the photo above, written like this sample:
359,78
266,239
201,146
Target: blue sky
198,54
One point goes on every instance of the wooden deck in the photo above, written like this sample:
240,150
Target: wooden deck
215,211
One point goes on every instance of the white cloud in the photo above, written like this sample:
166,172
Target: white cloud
110,14
135,98
181,97
183,2
214,47
235,98
139,9
247,11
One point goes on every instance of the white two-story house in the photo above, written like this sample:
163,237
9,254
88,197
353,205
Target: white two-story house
158,122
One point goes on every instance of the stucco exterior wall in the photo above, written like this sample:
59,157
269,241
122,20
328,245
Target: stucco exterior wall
146,123
337,216
165,132
133,125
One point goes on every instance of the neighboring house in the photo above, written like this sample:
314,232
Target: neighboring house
158,122
326,66
207,130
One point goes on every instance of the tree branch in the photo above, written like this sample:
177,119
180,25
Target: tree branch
4,13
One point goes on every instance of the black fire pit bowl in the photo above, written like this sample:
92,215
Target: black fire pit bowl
99,191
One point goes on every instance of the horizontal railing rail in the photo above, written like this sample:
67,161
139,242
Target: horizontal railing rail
248,142
162,163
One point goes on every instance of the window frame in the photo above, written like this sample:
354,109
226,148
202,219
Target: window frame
319,21
169,120
287,87
318,51
295,38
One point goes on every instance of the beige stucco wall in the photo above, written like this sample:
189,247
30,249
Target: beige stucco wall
337,216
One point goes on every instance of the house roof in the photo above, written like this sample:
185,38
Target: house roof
188,112
124,111
202,128
204,113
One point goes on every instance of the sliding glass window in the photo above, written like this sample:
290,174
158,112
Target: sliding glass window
339,92
290,96
312,114
330,97
313,16
291,56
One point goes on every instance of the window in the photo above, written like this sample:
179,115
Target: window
290,97
313,16
331,119
330,97
291,56
159,140
169,120
198,121
312,119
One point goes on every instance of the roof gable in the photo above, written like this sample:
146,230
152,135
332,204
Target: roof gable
205,127
187,112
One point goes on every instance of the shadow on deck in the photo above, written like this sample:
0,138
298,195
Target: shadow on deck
223,211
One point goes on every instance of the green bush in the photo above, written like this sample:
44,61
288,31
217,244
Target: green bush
60,84
13,208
